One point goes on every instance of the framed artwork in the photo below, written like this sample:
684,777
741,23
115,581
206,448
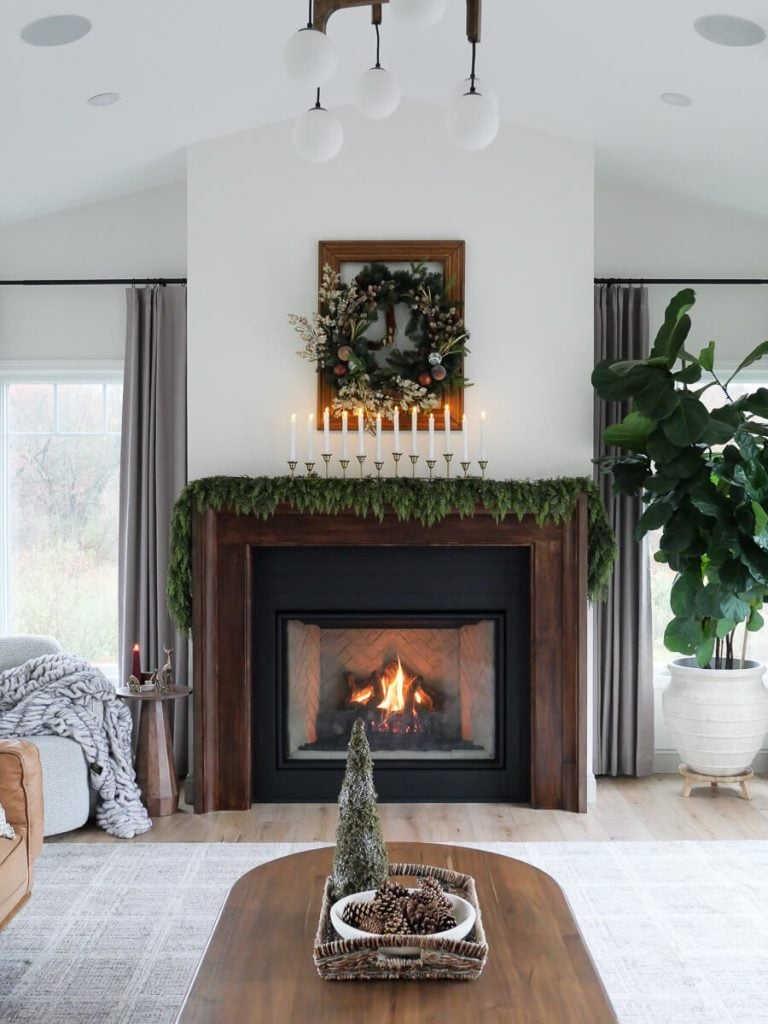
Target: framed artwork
393,331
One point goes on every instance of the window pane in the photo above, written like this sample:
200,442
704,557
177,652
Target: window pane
63,512
114,405
30,407
81,408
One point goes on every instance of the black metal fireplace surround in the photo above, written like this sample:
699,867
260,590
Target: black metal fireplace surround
357,599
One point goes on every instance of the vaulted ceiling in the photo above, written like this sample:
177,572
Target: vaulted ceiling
188,70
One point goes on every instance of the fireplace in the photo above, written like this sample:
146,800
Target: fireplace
461,645
434,658
431,694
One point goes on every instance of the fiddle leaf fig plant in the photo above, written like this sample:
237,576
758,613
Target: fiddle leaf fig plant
702,470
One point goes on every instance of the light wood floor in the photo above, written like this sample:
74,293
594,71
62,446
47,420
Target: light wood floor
626,809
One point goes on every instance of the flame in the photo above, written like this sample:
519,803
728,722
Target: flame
394,691
362,695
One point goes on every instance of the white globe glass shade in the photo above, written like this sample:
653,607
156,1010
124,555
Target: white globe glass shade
418,13
482,85
309,57
472,121
318,135
377,94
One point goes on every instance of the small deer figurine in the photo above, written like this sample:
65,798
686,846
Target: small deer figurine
166,672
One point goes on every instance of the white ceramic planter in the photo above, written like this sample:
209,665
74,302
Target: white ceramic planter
718,717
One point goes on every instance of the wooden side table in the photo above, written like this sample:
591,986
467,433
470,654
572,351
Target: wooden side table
155,767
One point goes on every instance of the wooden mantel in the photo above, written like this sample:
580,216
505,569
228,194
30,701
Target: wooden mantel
222,602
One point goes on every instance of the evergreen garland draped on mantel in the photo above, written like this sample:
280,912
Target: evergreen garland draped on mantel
426,501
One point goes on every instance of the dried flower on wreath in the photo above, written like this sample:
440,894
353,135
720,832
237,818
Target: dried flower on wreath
371,371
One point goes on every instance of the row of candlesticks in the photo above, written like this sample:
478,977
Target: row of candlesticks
344,459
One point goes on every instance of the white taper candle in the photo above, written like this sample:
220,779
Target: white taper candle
431,435
344,435
360,433
447,421
414,430
482,436
327,432
311,438
292,455
397,429
465,436
378,437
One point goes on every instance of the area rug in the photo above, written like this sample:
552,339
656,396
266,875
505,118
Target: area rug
677,930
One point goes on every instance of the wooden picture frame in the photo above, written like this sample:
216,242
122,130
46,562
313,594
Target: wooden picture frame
450,254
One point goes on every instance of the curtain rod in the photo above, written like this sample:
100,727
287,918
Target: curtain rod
100,280
681,280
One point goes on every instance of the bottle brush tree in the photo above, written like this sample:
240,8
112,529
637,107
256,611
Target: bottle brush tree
360,859
698,454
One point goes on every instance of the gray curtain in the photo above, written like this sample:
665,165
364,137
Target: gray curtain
623,644
153,469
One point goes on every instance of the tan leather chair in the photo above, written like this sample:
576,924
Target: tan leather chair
21,795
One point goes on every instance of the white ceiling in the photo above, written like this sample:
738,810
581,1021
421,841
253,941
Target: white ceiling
189,70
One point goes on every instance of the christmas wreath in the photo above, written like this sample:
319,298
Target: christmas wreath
376,373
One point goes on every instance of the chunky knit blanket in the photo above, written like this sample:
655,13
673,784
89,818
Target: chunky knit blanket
54,695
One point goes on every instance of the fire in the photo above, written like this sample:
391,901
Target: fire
400,698
394,692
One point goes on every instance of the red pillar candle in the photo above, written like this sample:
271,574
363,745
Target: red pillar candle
136,670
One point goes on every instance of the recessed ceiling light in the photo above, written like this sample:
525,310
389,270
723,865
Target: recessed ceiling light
676,99
58,30
104,99
728,30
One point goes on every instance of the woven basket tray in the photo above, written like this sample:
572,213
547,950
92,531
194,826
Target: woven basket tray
403,957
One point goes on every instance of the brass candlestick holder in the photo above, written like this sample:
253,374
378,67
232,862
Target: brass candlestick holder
344,463
483,464
414,459
431,463
379,466
326,459
310,468
465,466
397,456
292,466
361,459
448,456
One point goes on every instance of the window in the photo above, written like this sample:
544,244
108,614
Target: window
59,510
662,577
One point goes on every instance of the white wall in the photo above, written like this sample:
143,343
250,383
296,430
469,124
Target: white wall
646,235
640,234
255,215
141,235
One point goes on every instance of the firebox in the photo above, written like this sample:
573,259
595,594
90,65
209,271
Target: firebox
428,647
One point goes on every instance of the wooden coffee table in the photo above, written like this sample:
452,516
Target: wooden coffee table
258,966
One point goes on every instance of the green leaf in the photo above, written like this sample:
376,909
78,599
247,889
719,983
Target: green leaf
683,635
756,403
691,374
720,429
688,423
659,484
660,449
724,627
761,518
666,340
754,355
661,557
610,386
707,357
632,433
655,395
679,533
686,464
704,652
683,596
756,621
656,515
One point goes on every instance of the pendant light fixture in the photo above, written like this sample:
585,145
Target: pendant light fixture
318,134
377,94
309,55
472,118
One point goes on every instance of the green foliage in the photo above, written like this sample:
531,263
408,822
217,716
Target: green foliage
360,859
710,501
427,502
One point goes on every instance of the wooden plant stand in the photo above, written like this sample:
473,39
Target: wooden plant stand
691,778
155,767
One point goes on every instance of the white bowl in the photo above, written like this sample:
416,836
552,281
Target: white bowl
463,911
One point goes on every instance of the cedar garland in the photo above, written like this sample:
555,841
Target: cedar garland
426,501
